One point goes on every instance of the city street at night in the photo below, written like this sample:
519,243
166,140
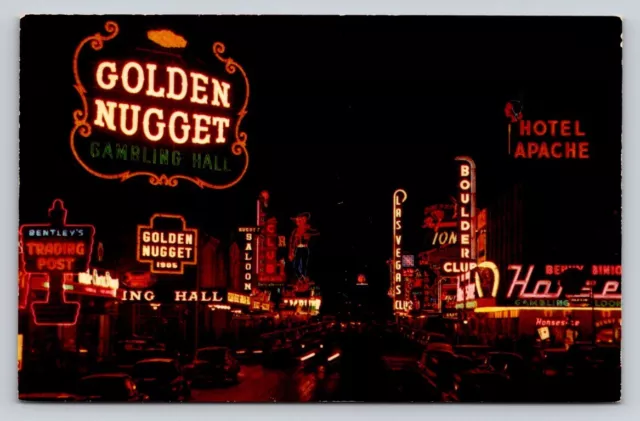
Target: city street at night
320,209
383,364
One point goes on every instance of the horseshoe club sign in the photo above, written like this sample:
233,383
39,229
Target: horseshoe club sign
156,107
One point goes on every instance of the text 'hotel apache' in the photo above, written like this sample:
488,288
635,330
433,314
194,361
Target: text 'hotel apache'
550,139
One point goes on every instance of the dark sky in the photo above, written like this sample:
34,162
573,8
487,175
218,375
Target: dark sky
343,111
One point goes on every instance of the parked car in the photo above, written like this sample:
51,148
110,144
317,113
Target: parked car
112,387
252,352
473,351
161,379
434,337
439,365
213,364
555,362
50,397
480,385
508,363
130,351
406,384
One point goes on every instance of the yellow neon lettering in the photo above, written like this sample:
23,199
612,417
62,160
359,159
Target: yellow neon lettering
151,70
160,125
198,129
220,93
135,110
171,92
172,127
111,77
139,79
197,88
105,113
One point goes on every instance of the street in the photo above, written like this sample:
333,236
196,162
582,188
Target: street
258,384
361,373
364,363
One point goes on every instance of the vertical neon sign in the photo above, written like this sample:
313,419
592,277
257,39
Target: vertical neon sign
467,208
248,257
261,204
467,223
399,197
258,224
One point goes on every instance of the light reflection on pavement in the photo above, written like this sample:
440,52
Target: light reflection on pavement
259,384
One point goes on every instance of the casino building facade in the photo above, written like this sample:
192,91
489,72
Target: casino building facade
545,280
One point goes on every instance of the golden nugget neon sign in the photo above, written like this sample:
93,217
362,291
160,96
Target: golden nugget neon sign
167,250
156,124
161,114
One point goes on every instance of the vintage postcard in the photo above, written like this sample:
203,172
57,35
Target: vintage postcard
320,208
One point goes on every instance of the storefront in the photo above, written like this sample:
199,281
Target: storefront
186,318
300,308
89,338
588,305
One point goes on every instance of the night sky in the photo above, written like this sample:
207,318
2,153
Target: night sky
343,111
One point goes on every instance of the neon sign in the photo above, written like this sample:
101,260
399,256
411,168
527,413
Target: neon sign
177,121
20,350
408,260
233,297
467,208
23,289
400,303
261,204
303,302
167,244
546,139
271,270
487,278
139,280
54,249
547,292
466,289
180,296
362,279
441,224
458,267
104,281
299,244
466,215
248,256
444,238
541,321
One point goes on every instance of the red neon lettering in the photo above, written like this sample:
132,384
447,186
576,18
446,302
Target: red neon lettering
55,263
522,283
539,128
609,291
55,248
